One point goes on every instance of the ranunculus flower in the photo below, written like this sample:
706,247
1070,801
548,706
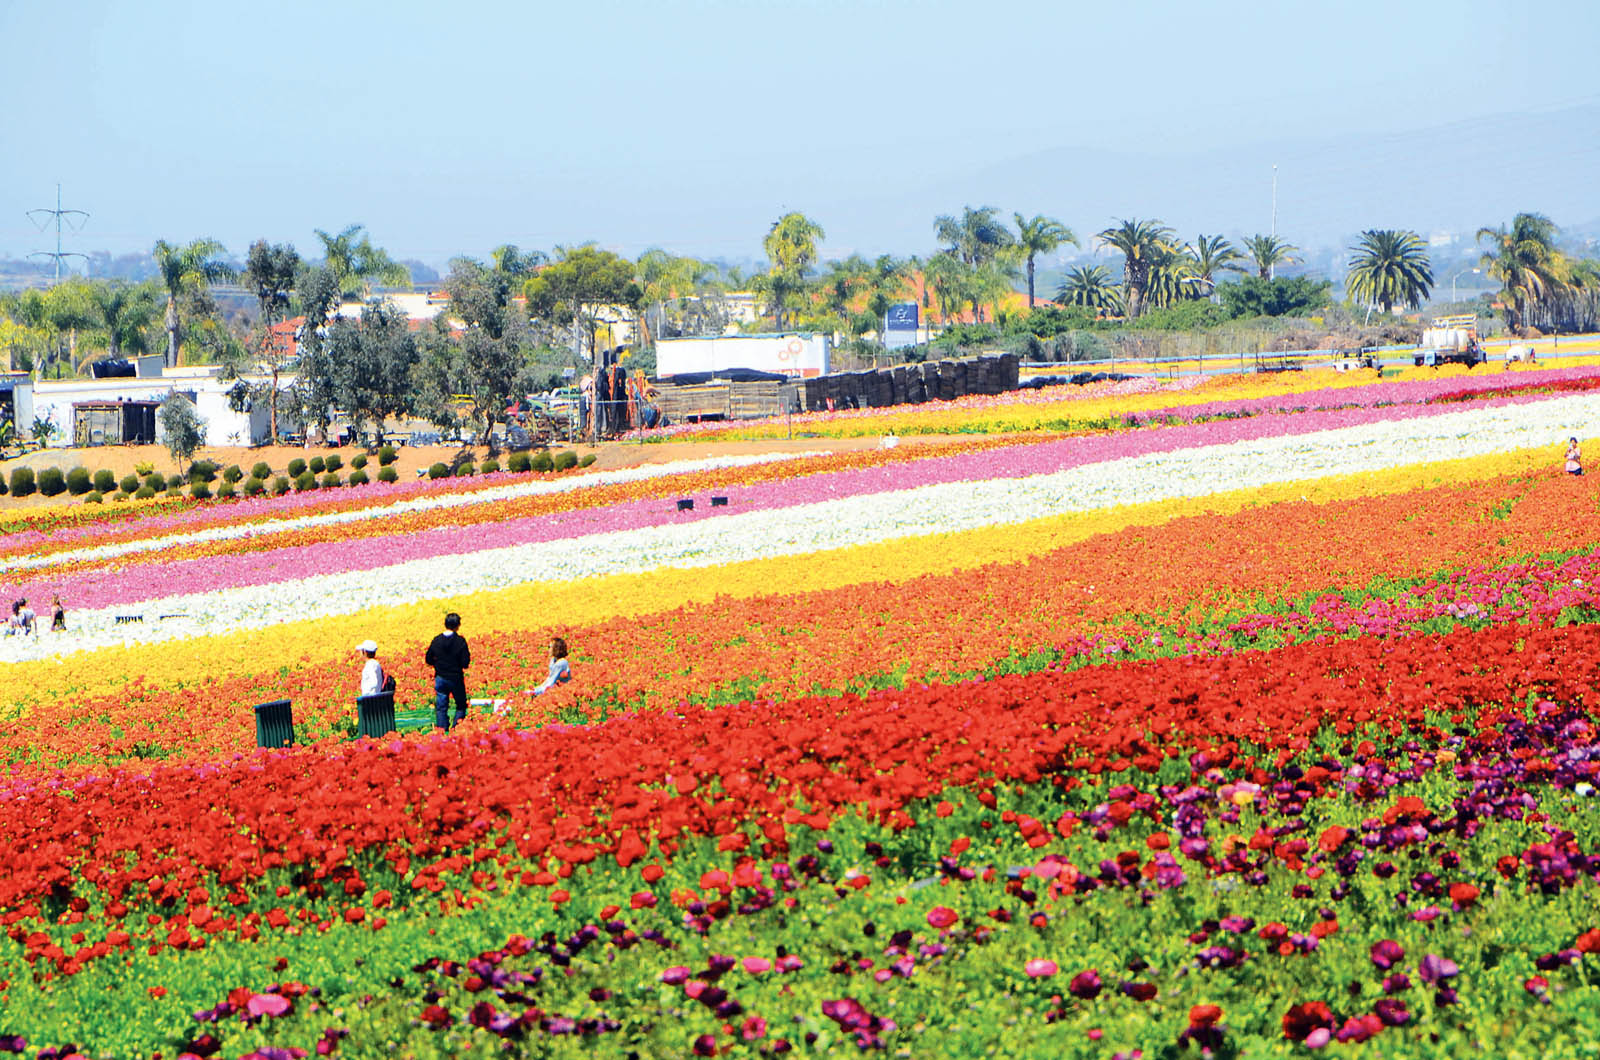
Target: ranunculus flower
1085,985
268,1005
1436,969
1387,953
942,917
757,965
1040,967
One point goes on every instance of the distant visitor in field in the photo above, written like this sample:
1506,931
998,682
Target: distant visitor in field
560,671
1574,457
22,618
449,656
371,670
58,616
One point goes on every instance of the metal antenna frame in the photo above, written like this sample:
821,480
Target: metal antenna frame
58,213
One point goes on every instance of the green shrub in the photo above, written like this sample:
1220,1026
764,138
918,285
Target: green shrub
305,481
22,482
280,485
128,484
120,496
438,471
587,460
93,497
465,468
143,493
489,466
78,481
157,481
358,461
233,474
297,467
316,464
199,491
227,491
203,471
52,482
334,462
358,477
104,481
387,455
330,481
4,489
253,487
541,461
566,460
261,471
174,487
388,474
518,463
143,468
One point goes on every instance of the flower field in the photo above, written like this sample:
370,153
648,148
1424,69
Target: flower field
1246,717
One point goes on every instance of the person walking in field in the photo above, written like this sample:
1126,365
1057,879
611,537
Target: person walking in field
371,671
1574,457
449,656
560,670
58,616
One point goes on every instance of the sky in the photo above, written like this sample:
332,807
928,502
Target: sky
450,129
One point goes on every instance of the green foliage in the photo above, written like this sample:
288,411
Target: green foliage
464,467
388,474
438,471
144,468
1047,322
297,467
143,493
175,487
280,485
541,461
1253,296
358,461
78,481
121,495
94,497
204,470
22,482
253,486
227,491
518,463
104,481
387,455
316,465
304,481
157,481
358,477
565,460
52,483
1191,315
589,458
185,431
129,483
260,470
333,462
199,491
233,473
330,481
1389,267
489,466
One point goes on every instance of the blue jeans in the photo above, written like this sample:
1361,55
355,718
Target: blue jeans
443,689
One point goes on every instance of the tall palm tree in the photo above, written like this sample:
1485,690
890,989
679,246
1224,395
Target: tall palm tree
993,280
1525,260
976,236
191,266
1090,286
358,265
949,279
1389,267
791,246
1210,255
1041,235
1142,244
1268,253
126,311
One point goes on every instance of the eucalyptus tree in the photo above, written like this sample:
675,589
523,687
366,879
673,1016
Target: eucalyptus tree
1040,235
72,309
126,312
1143,244
1524,259
1268,252
1090,286
357,264
791,247
975,237
1389,267
186,268
1209,256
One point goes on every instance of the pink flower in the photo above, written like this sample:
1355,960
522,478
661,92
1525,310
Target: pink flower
267,1005
757,965
1039,967
941,917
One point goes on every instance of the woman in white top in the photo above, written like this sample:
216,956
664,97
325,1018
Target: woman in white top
560,671
1574,457
372,670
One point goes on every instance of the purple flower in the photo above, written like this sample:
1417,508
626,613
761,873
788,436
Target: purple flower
1435,969
1387,953
1085,985
1392,1012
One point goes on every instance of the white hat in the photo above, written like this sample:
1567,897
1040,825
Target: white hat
367,645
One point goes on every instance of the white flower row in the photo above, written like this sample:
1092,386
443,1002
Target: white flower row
927,510
420,504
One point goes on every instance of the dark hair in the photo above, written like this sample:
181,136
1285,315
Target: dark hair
558,648
452,621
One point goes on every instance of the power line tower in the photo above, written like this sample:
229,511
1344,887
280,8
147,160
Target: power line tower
38,217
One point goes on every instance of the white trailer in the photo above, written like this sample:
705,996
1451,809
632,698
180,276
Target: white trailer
798,355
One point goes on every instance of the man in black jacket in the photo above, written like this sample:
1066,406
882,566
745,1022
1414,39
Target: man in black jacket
449,656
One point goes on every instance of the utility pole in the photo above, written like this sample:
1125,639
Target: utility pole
1272,270
57,214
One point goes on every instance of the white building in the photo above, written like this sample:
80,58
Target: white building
86,411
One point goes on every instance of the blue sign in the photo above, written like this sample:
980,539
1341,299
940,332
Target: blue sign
902,317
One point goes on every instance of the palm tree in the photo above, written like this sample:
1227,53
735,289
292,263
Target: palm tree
1090,286
126,311
192,266
516,263
357,265
1041,235
1210,255
1525,260
791,246
976,236
1269,252
665,278
1142,244
1389,267
950,281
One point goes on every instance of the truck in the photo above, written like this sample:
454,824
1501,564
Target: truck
1450,340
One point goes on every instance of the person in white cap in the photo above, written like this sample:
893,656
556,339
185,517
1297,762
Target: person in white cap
372,671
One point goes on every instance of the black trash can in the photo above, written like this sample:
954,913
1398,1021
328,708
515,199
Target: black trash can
375,714
274,724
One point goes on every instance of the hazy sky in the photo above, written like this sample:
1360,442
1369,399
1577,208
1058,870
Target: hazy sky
450,128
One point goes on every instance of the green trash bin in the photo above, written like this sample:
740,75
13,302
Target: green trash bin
274,724
375,714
